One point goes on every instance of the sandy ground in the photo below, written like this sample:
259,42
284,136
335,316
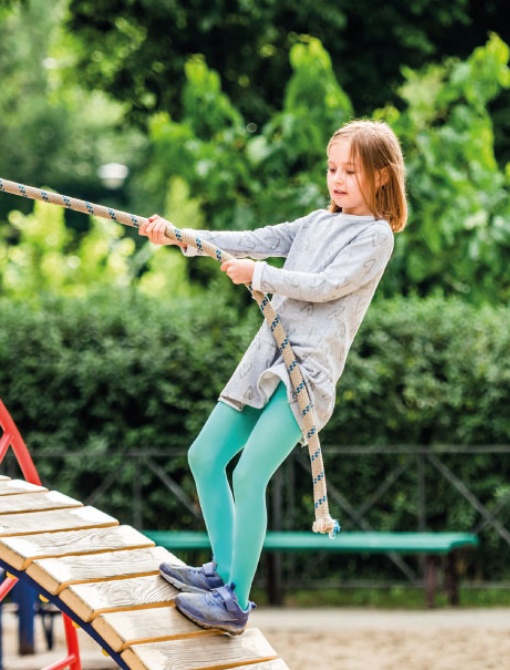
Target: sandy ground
377,640
343,639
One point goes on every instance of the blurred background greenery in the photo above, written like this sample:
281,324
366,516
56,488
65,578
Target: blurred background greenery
219,114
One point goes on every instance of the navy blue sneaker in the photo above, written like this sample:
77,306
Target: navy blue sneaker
218,609
197,580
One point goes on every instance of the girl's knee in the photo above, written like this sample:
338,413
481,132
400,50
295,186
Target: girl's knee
246,479
205,457
199,457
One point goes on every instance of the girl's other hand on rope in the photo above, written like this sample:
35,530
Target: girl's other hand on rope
154,228
240,270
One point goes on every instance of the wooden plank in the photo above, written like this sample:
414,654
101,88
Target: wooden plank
214,652
13,486
123,629
56,574
19,552
56,520
36,502
88,601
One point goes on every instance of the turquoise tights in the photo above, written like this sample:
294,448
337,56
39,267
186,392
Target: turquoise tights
236,517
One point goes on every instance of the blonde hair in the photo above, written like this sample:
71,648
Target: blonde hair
376,147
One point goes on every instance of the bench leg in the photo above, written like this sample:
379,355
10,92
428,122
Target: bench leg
430,580
274,578
452,578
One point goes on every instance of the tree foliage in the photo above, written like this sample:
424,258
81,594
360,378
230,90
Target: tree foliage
137,49
208,170
41,256
239,178
458,237
54,132
458,240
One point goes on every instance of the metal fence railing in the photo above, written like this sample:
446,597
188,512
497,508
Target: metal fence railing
417,464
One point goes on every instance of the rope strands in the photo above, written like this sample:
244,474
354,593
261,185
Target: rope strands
323,523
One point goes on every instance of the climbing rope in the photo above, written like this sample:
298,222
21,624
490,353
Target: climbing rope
323,523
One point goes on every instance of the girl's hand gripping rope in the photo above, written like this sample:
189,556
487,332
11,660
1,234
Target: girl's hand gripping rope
156,229
239,270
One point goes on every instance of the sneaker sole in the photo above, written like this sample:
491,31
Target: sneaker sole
209,626
181,586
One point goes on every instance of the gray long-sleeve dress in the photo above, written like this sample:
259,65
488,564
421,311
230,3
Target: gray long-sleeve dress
333,265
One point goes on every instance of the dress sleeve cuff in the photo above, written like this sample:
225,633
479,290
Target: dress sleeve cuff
190,251
256,280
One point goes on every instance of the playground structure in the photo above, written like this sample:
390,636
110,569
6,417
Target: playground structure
103,577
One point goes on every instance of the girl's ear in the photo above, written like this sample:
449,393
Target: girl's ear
381,177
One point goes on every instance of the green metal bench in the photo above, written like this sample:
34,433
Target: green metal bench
428,544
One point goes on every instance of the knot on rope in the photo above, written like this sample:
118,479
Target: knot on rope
326,524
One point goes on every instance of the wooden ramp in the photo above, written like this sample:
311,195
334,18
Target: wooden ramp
104,576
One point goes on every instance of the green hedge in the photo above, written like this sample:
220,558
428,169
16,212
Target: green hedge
89,380
109,374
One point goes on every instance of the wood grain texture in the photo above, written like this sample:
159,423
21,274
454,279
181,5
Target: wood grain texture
55,574
36,502
214,652
107,574
10,487
56,520
19,552
90,600
123,629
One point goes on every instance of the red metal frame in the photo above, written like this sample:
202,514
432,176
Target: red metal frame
11,437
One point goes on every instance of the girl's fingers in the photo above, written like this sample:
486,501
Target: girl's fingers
148,225
155,228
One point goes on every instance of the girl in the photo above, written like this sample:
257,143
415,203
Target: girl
334,261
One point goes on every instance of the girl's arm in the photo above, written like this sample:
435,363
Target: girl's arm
359,263
266,242
260,243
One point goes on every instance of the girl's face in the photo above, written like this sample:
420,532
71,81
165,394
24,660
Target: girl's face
345,179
